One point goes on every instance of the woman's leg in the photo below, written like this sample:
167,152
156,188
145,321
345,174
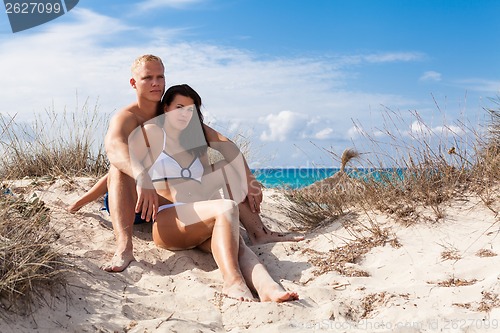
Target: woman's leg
99,189
225,176
258,278
190,225
257,231
256,275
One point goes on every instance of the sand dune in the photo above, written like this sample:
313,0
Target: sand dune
439,276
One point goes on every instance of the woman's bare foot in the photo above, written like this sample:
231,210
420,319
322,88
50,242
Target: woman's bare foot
268,236
73,208
239,291
119,262
277,294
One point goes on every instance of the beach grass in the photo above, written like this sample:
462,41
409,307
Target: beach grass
31,266
53,146
420,172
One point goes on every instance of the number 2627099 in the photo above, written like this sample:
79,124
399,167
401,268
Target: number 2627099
33,8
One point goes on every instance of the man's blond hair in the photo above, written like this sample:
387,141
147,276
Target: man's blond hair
143,59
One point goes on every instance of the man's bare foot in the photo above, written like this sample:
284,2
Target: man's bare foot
268,236
119,262
278,294
238,291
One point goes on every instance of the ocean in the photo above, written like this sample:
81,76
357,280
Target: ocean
292,177
295,178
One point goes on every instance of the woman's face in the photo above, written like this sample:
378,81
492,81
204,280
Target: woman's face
179,113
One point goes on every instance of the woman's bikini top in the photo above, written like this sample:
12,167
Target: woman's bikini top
166,167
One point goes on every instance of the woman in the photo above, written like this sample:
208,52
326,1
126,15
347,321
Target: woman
257,232
191,213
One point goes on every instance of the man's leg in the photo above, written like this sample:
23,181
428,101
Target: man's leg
122,199
258,232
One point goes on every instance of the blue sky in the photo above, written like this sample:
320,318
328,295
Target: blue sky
293,76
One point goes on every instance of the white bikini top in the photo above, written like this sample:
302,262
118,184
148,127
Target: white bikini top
166,167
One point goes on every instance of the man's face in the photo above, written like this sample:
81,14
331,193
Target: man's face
149,80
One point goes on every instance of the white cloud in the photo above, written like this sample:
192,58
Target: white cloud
383,57
286,125
326,133
357,132
89,56
50,67
64,63
419,129
394,57
448,130
430,76
486,86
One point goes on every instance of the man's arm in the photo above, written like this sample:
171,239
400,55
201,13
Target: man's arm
231,152
116,141
123,127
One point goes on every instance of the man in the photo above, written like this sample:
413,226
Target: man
126,191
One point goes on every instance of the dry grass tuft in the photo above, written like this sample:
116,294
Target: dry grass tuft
453,282
467,306
54,145
356,310
427,169
489,301
373,301
451,255
325,199
31,266
485,253
57,146
343,259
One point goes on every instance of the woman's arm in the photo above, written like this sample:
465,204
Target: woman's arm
233,155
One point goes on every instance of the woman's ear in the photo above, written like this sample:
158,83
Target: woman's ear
132,83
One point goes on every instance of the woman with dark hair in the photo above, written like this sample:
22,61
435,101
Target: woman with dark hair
257,232
171,155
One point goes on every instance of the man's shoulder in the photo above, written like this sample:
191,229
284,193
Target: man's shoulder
127,115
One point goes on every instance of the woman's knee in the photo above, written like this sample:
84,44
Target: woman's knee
228,209
226,205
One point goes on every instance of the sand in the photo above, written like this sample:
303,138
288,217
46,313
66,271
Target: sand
438,276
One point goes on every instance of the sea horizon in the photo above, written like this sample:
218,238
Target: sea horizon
299,177
291,177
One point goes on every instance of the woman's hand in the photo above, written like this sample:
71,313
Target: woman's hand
254,196
147,198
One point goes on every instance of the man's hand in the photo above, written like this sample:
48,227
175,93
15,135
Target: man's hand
147,198
254,195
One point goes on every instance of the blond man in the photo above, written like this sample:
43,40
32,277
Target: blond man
130,195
